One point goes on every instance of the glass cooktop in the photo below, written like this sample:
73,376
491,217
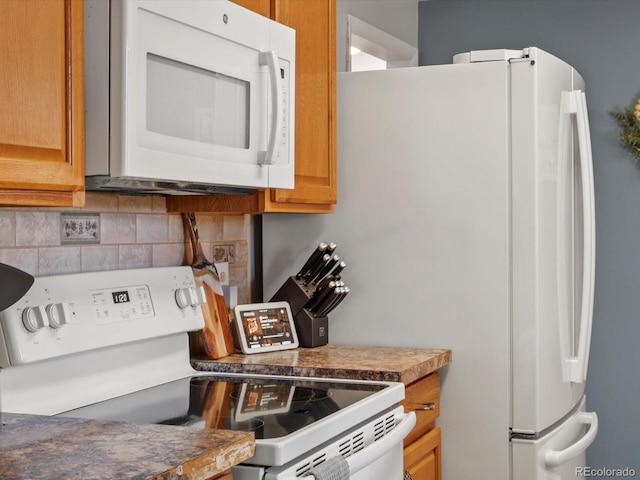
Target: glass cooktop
271,407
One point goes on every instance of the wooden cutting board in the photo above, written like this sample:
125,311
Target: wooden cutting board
215,340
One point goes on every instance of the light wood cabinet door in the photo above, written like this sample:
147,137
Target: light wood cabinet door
41,102
315,118
315,148
422,458
263,7
423,398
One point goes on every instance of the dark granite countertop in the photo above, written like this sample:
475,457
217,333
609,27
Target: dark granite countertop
39,447
335,361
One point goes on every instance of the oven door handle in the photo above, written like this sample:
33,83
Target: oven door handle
377,449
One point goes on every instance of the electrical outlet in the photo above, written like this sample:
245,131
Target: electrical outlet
223,272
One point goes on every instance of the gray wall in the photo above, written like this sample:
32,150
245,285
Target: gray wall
601,39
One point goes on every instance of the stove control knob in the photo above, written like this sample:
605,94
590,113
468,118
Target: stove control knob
201,295
34,318
58,314
185,297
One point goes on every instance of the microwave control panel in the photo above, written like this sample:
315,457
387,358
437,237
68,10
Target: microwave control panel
283,152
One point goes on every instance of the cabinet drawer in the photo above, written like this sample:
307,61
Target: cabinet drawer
423,397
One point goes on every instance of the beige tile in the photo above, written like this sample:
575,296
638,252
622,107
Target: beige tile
117,228
58,260
98,258
7,229
101,202
241,254
26,259
235,227
135,256
238,276
151,228
37,228
135,204
176,228
210,228
168,255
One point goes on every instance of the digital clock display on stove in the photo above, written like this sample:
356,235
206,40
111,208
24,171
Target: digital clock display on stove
121,297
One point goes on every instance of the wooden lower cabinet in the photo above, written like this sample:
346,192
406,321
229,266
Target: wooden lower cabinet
422,456
422,459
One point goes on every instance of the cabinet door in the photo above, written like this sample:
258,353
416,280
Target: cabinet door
423,398
41,102
422,458
315,148
263,7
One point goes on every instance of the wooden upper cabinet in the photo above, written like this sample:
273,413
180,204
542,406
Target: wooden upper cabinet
315,117
41,102
263,7
314,22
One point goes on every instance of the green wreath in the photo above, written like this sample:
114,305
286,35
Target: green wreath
629,122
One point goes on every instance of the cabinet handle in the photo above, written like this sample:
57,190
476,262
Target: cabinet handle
427,407
407,475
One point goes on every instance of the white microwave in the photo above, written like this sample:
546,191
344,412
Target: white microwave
187,96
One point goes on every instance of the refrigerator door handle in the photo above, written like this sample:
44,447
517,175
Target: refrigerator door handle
579,372
553,458
574,367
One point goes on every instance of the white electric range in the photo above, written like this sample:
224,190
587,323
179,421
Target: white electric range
114,346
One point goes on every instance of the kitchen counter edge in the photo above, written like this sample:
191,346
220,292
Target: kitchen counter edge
391,364
41,447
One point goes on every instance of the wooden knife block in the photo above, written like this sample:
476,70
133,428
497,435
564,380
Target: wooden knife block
312,331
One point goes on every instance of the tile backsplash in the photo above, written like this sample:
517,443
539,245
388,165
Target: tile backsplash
135,232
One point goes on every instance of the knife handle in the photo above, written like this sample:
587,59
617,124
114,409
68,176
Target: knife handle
345,291
315,256
319,297
323,283
330,302
339,268
316,268
326,269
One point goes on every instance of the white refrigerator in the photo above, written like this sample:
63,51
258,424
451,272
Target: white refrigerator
465,216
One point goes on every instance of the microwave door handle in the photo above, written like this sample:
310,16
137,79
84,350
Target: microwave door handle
270,59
